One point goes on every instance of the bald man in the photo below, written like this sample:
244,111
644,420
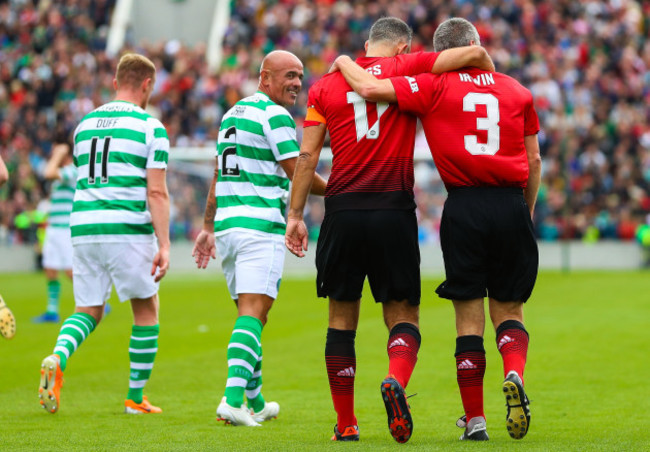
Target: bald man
256,156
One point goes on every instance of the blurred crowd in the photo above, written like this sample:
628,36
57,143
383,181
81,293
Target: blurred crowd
586,63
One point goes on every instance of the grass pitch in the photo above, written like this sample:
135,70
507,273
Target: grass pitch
587,373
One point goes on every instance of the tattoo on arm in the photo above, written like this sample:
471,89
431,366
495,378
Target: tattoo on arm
211,204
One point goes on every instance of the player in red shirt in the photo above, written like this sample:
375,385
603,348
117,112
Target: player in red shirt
370,228
482,131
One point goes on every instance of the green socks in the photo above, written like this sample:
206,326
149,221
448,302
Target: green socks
254,388
142,352
244,353
53,293
74,331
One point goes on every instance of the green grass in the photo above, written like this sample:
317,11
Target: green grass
587,372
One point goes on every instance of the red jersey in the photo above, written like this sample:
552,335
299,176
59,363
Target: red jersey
475,122
372,144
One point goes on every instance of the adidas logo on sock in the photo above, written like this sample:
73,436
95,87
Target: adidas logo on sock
398,341
467,364
504,340
347,372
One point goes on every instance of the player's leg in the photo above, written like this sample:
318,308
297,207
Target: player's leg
57,255
512,343
245,352
394,277
253,266
341,363
512,277
464,239
470,365
143,348
130,270
51,313
402,321
404,340
341,255
92,287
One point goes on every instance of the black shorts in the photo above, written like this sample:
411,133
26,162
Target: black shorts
380,244
488,245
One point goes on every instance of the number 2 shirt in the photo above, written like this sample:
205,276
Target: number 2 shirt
114,145
372,143
475,122
252,187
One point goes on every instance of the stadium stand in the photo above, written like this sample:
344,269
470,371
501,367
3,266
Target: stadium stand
587,64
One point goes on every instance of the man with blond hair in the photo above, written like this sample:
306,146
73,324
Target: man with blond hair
120,208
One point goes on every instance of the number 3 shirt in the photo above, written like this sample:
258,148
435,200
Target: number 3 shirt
114,145
475,122
372,144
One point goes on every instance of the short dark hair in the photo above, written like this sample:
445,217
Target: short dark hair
390,29
455,32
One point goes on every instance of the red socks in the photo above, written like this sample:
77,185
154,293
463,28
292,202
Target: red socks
341,362
470,370
512,342
403,345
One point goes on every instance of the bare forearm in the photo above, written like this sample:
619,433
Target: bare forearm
302,184
211,205
534,170
459,57
365,84
4,173
159,208
318,185
59,153
534,181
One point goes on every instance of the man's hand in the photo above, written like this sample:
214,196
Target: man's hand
204,249
160,262
335,66
296,238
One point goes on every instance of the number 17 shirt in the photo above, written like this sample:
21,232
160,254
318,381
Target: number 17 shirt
475,122
372,143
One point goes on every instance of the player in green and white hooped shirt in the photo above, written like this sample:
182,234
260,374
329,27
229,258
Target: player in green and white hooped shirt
121,206
256,157
57,247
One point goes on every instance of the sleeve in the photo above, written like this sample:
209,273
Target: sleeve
414,94
315,114
531,120
159,147
281,133
415,63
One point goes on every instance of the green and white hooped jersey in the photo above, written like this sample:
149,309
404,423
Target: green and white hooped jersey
114,145
252,188
61,197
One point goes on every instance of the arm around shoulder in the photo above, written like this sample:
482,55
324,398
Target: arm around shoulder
365,84
459,57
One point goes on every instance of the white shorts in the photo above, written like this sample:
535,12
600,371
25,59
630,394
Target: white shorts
98,266
57,249
252,263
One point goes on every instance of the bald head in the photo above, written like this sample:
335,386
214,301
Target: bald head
278,59
281,77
